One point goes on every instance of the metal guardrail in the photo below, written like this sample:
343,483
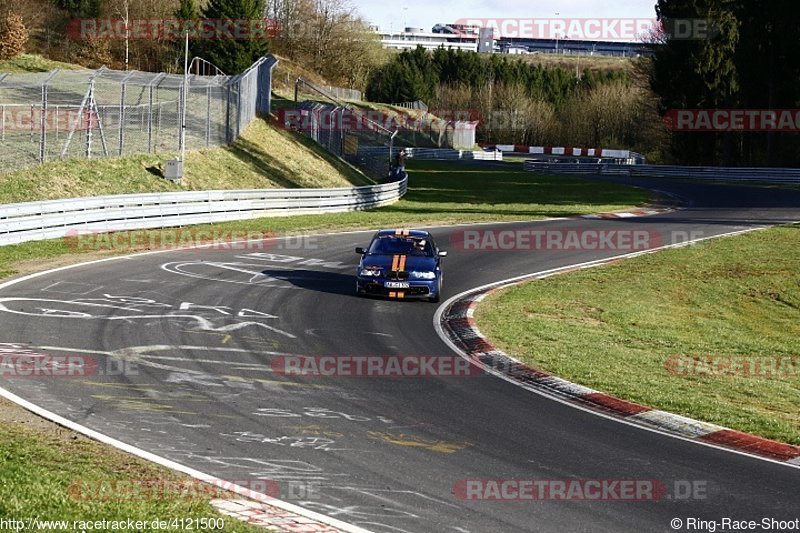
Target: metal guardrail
32,221
745,174
434,153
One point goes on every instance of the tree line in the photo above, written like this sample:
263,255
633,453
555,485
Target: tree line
748,61
517,102
326,36
418,74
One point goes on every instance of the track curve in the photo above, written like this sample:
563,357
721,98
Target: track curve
197,331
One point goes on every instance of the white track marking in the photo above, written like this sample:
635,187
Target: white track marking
196,474
437,324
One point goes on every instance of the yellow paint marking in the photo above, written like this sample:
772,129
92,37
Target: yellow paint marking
274,381
416,442
120,385
254,340
226,339
139,399
204,332
131,405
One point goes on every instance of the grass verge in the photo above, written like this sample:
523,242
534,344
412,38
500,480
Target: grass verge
34,63
615,328
439,193
51,473
263,157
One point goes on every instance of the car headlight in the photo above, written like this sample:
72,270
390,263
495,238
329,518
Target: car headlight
423,275
370,273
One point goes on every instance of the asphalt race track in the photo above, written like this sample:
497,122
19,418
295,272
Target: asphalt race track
184,343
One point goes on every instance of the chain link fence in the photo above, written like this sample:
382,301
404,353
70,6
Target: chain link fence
344,93
103,113
352,133
342,129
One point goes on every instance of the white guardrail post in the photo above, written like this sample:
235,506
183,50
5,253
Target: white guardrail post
52,219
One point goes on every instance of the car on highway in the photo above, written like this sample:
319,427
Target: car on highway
400,263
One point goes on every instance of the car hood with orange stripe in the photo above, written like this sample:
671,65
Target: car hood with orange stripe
419,263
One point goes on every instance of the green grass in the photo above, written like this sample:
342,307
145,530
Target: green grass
34,63
43,470
613,328
264,157
439,193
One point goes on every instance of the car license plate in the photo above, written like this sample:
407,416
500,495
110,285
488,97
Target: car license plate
396,285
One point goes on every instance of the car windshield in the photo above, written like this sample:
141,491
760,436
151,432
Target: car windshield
391,245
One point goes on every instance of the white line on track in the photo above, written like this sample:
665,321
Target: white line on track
437,324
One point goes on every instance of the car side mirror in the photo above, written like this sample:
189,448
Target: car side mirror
442,253
360,250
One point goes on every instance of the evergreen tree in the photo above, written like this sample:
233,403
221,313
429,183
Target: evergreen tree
80,8
748,62
187,11
231,55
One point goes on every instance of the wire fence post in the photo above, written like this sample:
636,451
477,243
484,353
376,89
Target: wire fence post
88,121
228,114
208,116
238,107
43,125
179,109
122,118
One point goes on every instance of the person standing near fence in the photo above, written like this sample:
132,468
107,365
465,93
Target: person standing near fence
400,163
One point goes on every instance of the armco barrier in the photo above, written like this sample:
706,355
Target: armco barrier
52,219
434,153
632,158
767,175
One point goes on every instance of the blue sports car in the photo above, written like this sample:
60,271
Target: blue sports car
401,263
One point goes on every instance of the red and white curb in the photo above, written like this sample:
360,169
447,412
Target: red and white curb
561,150
264,515
455,324
633,213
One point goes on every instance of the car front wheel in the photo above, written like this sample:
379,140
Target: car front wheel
436,297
